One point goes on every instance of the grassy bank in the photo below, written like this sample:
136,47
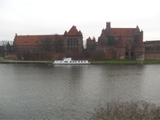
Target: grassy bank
24,61
106,61
150,61
125,61
2,60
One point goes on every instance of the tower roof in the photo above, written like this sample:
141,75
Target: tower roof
74,31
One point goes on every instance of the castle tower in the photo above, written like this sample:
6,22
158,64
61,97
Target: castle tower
73,40
120,50
91,44
139,49
108,25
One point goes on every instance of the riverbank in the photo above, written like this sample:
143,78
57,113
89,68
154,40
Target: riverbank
125,61
107,61
7,61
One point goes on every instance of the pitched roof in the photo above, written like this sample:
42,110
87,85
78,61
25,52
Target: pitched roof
73,31
33,39
120,42
122,31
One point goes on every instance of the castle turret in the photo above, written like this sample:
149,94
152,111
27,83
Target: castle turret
108,25
139,49
65,33
91,44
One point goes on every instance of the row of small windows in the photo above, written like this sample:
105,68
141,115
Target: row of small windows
72,45
125,37
73,36
72,39
27,41
80,61
33,46
73,48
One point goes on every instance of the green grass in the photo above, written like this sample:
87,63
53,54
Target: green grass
49,61
152,61
125,61
25,61
115,61
105,61
2,60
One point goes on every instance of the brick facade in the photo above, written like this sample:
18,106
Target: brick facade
152,49
121,43
44,47
113,43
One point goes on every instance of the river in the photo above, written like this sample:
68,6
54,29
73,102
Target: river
48,92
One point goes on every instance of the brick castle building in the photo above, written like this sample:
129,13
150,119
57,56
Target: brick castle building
32,47
119,43
113,43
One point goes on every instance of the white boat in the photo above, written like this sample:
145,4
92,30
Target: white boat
69,61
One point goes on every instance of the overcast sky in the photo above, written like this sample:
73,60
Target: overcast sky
35,17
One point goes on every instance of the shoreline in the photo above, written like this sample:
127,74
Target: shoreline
95,62
92,63
22,62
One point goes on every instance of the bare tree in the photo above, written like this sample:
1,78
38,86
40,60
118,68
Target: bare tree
140,110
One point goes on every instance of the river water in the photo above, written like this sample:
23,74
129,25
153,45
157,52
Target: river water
47,92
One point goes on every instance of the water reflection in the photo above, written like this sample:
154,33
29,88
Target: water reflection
151,83
72,92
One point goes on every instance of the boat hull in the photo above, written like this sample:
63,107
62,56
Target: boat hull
71,63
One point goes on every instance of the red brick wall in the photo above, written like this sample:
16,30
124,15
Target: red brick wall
58,56
152,55
11,56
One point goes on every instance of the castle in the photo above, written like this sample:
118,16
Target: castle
113,43
119,43
32,47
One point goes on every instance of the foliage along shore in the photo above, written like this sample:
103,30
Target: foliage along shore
116,110
106,61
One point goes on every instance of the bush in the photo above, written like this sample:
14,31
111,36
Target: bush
140,110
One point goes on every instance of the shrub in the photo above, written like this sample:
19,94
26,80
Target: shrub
140,110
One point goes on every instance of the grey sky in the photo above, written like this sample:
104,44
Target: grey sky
34,17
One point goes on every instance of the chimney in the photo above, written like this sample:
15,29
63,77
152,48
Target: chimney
108,25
